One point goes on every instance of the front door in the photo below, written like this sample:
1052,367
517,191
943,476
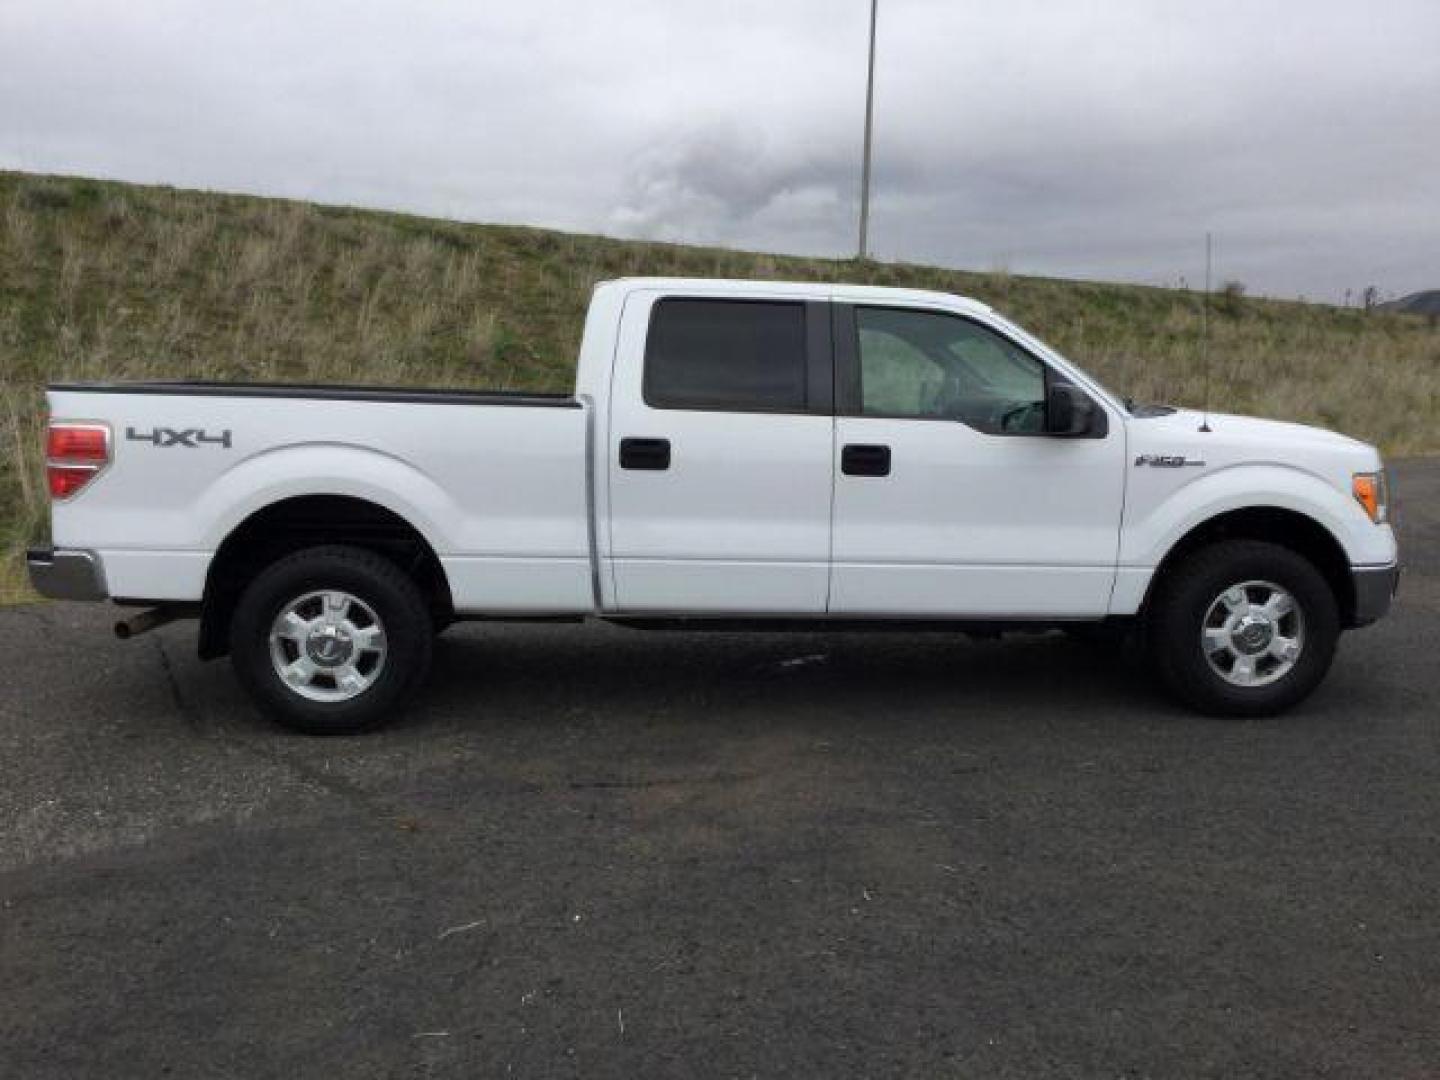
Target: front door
950,499
720,456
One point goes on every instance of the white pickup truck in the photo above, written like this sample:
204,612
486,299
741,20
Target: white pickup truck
752,454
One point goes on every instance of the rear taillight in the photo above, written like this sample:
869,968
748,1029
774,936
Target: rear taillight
76,452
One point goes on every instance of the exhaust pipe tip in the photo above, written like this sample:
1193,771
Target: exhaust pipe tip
144,622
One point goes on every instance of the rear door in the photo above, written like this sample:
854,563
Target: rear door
721,455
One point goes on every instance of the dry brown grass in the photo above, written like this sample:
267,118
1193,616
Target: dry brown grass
101,280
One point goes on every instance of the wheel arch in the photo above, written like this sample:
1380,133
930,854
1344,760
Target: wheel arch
297,522
1284,527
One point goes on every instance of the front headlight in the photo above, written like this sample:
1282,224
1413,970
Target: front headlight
1372,491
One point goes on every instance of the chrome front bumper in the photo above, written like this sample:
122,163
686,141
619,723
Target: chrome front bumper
66,574
1375,587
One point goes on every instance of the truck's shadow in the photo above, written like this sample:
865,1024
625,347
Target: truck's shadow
535,675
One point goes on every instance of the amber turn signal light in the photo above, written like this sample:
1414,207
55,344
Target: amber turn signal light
1371,492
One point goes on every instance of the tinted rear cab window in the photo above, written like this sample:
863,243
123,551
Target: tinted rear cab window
733,355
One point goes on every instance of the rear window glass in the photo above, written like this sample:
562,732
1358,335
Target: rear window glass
740,355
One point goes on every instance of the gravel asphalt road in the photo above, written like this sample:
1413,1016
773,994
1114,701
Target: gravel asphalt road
606,853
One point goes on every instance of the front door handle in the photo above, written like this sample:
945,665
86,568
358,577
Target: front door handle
648,454
865,459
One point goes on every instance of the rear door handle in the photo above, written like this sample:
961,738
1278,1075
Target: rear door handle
865,459
649,454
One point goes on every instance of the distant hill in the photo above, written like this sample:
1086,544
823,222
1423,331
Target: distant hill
108,280
1420,303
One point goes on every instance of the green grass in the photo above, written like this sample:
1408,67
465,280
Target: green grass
115,281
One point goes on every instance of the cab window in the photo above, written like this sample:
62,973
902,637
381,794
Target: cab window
933,365
731,355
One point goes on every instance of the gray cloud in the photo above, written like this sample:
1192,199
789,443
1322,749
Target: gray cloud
721,180
1083,140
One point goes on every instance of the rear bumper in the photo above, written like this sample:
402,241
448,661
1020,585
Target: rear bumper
66,574
1375,587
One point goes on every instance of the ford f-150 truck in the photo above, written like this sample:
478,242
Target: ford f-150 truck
752,454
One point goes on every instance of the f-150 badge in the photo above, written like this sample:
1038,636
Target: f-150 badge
193,438
1167,461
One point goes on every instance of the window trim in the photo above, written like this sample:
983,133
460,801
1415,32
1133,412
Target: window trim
848,394
819,365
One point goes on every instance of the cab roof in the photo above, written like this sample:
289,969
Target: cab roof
799,290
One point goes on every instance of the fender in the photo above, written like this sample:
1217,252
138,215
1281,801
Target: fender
325,469
1151,533
1145,540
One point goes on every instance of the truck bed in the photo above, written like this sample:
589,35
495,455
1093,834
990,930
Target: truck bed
496,482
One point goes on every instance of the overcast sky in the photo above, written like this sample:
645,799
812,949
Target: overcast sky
1083,139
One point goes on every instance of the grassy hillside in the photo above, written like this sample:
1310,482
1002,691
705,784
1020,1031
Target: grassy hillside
105,280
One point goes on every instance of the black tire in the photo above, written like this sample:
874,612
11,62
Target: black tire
396,602
1183,597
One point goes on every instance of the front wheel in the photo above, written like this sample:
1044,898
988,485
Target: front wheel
1243,628
331,640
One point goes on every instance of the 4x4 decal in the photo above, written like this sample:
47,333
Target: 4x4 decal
193,438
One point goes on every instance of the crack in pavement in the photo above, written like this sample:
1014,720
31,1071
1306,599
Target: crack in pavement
306,773
187,713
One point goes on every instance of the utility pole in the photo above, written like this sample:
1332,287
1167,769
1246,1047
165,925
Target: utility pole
869,124
1205,333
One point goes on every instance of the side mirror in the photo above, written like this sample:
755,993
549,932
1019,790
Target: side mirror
1069,411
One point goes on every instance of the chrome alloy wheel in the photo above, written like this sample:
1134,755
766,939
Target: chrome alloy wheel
1253,633
327,646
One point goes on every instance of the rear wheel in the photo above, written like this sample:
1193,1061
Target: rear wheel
1243,628
331,640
